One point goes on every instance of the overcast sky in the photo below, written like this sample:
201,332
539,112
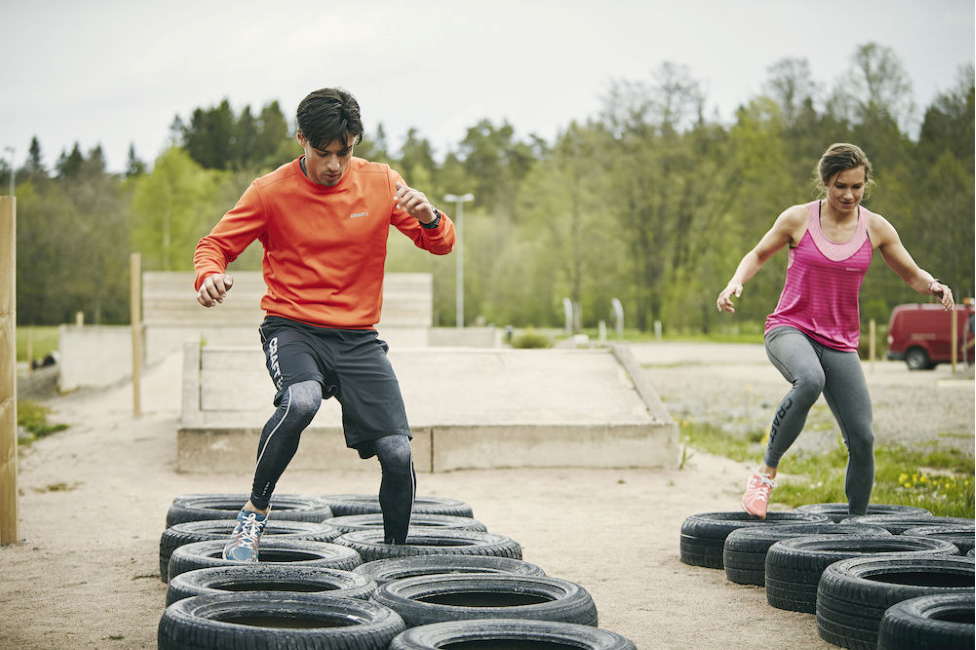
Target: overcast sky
115,73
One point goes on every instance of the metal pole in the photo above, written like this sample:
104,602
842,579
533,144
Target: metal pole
459,227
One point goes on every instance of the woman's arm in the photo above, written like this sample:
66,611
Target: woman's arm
787,229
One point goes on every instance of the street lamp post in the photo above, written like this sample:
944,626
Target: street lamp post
459,201
11,150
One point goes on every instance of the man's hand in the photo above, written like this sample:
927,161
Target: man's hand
214,288
415,203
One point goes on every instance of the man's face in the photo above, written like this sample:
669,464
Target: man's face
327,165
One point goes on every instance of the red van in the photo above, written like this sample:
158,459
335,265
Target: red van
921,335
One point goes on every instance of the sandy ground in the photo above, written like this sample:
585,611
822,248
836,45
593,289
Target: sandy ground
93,500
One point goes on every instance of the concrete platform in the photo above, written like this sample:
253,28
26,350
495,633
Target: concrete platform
468,408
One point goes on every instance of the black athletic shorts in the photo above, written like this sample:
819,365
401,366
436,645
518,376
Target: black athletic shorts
350,365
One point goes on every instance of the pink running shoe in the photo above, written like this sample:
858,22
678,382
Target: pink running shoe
756,499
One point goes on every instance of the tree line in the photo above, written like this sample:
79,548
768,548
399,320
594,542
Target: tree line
652,201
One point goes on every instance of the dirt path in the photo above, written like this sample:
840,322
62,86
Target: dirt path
93,501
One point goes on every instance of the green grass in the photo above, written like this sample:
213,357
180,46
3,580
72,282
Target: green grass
44,341
32,417
928,476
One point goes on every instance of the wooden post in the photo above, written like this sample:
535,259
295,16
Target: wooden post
135,309
954,327
872,331
9,532
30,349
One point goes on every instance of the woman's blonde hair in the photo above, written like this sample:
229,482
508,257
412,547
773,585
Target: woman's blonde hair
840,157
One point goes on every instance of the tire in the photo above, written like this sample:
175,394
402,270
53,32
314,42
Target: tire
370,545
366,504
944,621
374,521
201,555
703,535
794,566
853,594
270,577
898,524
212,529
840,511
275,620
498,633
383,571
962,535
293,507
917,359
744,551
445,598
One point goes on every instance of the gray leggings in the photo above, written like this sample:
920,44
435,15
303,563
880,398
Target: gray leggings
813,369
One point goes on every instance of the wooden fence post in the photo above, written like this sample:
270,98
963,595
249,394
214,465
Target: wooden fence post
9,531
135,309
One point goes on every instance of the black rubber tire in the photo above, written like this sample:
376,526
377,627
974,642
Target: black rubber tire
703,535
513,632
374,521
189,532
744,551
962,535
270,577
898,524
794,566
943,621
853,594
383,571
276,620
201,555
370,545
293,507
840,511
365,504
918,359
444,598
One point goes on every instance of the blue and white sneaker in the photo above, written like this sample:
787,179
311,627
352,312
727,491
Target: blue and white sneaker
243,544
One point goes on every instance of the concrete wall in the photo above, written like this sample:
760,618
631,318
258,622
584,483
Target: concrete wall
93,355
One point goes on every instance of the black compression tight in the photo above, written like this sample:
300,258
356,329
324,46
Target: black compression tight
279,442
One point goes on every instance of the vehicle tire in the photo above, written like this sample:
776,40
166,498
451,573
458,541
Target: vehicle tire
383,571
840,511
498,633
943,621
270,577
444,598
370,545
261,619
853,594
898,524
703,535
373,521
917,359
365,504
962,535
201,555
293,507
794,566
189,532
744,551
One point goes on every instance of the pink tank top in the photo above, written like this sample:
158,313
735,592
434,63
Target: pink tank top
823,279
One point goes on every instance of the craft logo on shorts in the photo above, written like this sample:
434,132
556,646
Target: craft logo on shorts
356,215
273,362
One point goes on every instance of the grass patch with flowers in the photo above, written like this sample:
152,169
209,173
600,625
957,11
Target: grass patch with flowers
926,475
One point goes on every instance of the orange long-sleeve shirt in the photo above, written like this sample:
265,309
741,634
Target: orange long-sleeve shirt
324,247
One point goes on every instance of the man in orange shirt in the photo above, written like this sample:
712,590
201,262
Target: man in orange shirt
323,220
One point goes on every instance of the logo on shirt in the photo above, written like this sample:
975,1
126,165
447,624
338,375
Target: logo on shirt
356,215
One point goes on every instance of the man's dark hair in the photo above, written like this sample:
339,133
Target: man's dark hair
328,115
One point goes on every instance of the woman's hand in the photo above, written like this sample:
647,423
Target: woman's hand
724,302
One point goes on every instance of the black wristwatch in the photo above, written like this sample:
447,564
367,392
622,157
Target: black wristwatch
433,224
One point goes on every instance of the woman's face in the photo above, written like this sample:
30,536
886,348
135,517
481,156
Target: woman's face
846,189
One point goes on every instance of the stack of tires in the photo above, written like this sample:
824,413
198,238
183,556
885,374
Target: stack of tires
326,579
896,578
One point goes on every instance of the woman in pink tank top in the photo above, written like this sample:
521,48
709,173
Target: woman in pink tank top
812,335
